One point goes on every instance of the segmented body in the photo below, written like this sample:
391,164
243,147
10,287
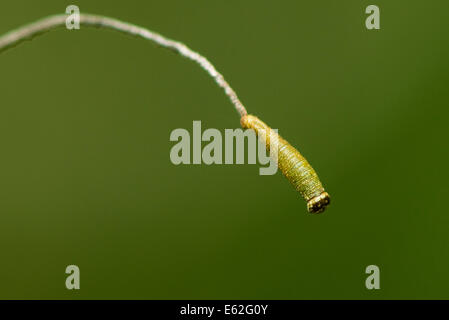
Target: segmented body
292,165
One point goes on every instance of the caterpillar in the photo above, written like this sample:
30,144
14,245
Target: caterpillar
291,163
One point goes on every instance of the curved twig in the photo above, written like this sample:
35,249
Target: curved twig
49,23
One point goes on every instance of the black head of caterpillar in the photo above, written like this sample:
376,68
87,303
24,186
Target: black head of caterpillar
319,203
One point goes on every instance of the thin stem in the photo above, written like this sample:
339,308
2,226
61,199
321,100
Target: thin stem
44,25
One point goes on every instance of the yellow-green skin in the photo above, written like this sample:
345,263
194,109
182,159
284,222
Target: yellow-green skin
292,165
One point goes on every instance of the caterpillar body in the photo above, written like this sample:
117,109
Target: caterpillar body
292,165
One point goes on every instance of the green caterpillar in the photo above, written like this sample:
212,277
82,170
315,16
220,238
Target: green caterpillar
292,165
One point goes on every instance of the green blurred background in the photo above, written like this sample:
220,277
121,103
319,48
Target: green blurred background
86,177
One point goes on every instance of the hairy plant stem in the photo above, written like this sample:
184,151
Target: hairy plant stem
49,23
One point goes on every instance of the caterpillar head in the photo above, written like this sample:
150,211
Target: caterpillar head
318,203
